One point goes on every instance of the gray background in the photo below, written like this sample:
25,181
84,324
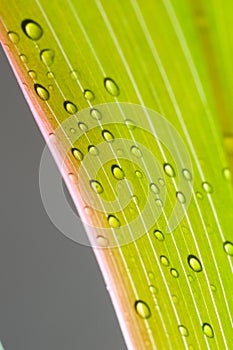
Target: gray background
52,295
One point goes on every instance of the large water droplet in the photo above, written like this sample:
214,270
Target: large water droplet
89,95
70,107
13,37
154,188
95,113
228,248
93,150
194,263
164,260
207,187
111,87
208,330
142,309
47,56
168,169
108,136
158,235
113,221
174,273
136,151
32,29
180,197
183,331
96,186
77,154
41,91
117,172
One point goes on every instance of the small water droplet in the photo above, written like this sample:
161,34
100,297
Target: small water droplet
153,289
96,186
138,173
180,197
208,330
77,154
73,178
174,273
190,278
199,195
151,275
47,56
14,37
102,241
95,113
108,136
113,221
41,91
228,248
194,263
70,107
183,331
207,187
227,174
32,29
72,130
130,124
135,199
93,150
83,127
89,95
136,151
158,202
164,260
50,75
111,87
142,309
74,74
23,58
32,74
154,188
161,182
168,169
117,172
213,288
187,174
51,88
158,235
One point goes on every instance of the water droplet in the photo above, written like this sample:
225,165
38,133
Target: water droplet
207,187
158,202
136,151
187,174
228,248
138,174
199,195
89,95
213,288
95,113
32,74
161,182
77,154
41,91
194,263
227,174
108,136
96,186
102,241
32,29
117,172
158,235
70,107
130,124
47,56
74,74
83,127
154,188
13,37
151,275
113,221
135,199
190,278
183,331
93,150
142,309
111,87
23,58
180,197
153,289
50,75
164,260
174,273
208,330
168,169
73,178
72,130
51,88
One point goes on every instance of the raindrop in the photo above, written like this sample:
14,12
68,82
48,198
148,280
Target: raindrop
108,136
102,241
50,75
158,202
113,221
47,56
161,182
89,95
41,91
158,235
96,186
95,113
138,173
13,37
93,150
111,87
130,124
32,74
117,172
213,287
164,260
190,278
32,29
151,275
199,195
187,175
154,188
23,58
142,309
194,263
72,130
70,107
153,289
168,169
208,330
174,273
228,248
136,151
183,331
227,174
74,74
180,197
207,187
135,199
83,127
77,154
